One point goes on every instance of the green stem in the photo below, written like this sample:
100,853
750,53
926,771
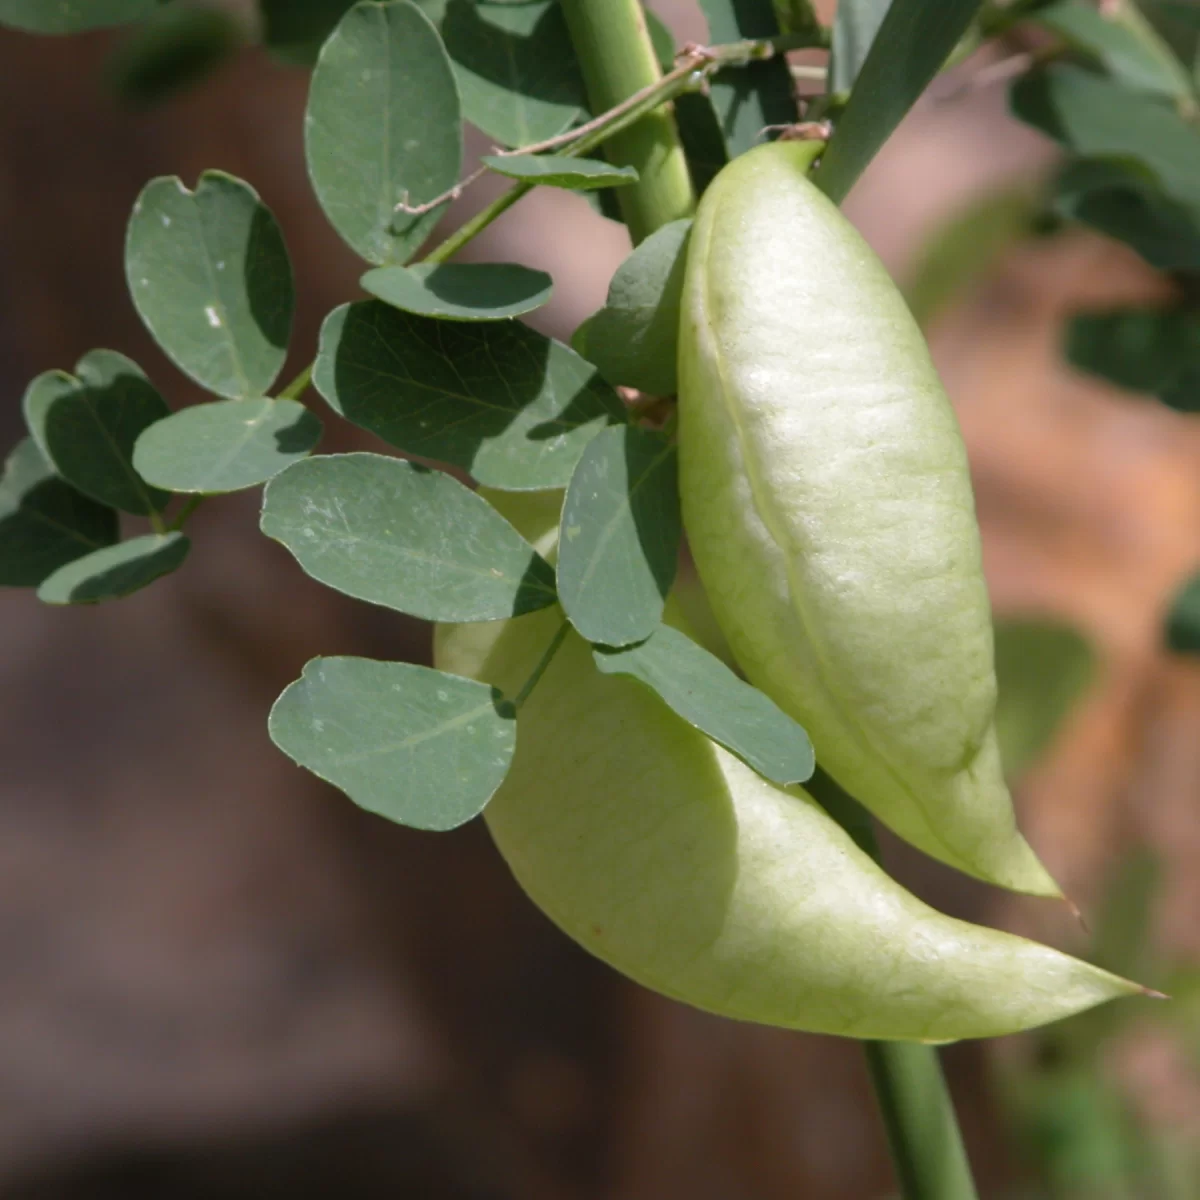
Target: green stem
538,671
298,386
617,58
918,1114
189,506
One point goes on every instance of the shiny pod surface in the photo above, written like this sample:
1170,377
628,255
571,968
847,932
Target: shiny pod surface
829,509
671,860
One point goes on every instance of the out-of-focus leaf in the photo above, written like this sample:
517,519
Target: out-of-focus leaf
1183,620
1094,117
293,30
1121,941
417,746
383,68
1141,349
175,49
461,291
619,545
1126,204
1043,668
1129,50
115,571
911,45
73,16
962,250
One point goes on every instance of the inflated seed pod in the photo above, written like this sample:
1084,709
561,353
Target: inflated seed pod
829,510
668,858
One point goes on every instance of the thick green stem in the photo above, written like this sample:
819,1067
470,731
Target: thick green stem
922,1128
617,59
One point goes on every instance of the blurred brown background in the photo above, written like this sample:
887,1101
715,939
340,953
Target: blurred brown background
218,978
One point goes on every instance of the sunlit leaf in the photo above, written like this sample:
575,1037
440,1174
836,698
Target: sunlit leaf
44,522
619,545
383,127
561,170
912,43
86,424
209,274
224,447
397,534
484,291
707,694
417,746
632,339
115,571
511,406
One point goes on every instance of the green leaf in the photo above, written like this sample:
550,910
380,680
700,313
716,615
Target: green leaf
855,24
661,38
1127,205
1183,392
295,29
44,522
1042,667
914,40
560,170
708,695
383,126
965,248
175,49
72,16
516,69
1124,927
1183,621
702,137
632,339
1129,51
746,99
461,291
210,277
401,535
86,424
115,571
417,746
1141,349
223,447
509,405
619,544
1098,118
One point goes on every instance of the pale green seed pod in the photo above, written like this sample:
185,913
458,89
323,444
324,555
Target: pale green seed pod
671,860
829,509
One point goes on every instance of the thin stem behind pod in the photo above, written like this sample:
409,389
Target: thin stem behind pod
918,1114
